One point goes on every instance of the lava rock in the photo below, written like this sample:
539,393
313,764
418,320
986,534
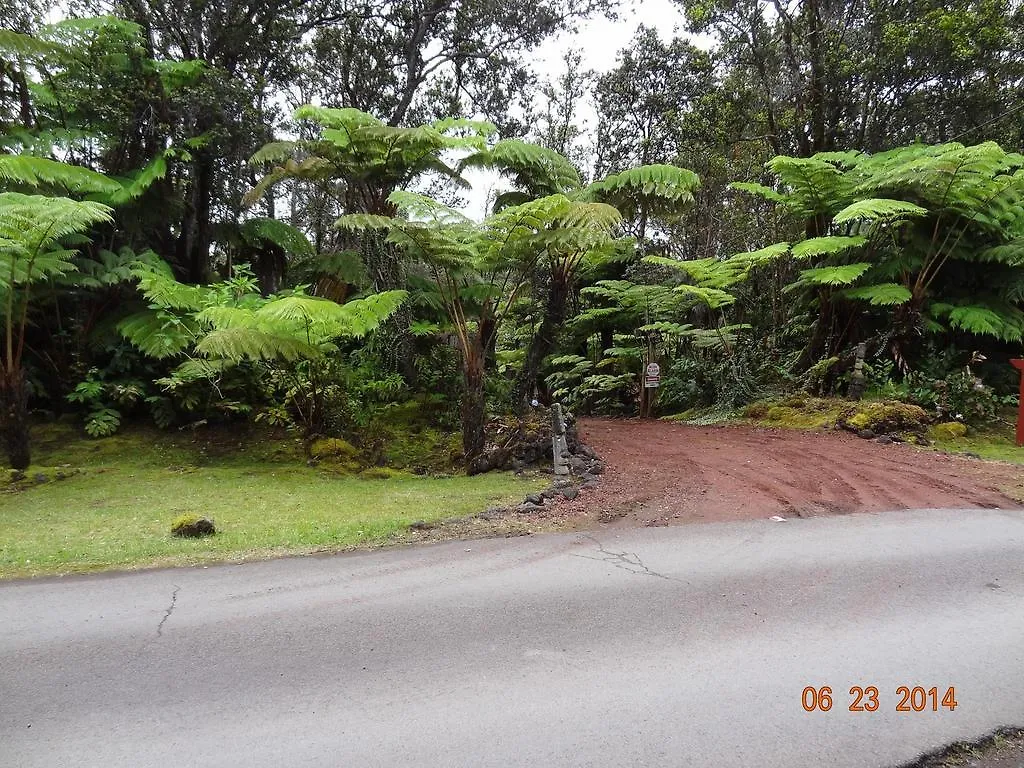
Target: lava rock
535,498
884,440
578,464
571,492
588,477
586,452
561,483
420,525
528,508
40,478
596,468
866,434
549,493
193,527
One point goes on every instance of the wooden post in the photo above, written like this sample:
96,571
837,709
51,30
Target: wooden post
857,382
558,444
1019,365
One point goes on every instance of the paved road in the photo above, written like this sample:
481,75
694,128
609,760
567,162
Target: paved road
655,647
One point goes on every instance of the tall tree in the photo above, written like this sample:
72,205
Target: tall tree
412,61
872,74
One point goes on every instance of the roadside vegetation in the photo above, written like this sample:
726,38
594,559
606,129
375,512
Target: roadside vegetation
100,504
214,223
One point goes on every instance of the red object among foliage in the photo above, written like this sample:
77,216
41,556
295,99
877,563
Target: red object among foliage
1019,364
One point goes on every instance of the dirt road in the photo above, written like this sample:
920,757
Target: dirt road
659,473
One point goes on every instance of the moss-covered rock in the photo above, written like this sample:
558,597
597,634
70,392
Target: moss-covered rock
885,416
950,430
332,448
192,526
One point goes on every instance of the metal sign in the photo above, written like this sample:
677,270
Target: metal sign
652,376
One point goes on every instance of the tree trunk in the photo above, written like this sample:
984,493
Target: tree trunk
14,418
474,409
543,341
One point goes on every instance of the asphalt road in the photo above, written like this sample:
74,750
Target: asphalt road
656,647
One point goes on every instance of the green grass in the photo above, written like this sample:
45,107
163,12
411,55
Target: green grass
993,444
265,501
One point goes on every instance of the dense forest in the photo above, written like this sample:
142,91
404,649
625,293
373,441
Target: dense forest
254,210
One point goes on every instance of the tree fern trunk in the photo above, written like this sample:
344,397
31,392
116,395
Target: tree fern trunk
474,406
14,418
543,341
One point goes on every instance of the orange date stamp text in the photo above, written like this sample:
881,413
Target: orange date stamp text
866,698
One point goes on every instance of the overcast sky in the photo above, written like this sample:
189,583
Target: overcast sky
598,42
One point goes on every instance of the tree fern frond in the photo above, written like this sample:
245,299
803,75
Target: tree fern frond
532,167
662,189
30,171
763,255
879,209
713,297
274,152
346,118
158,334
359,222
424,208
825,246
841,274
163,291
881,295
286,237
759,190
249,342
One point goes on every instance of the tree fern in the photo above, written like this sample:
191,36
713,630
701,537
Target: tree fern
286,237
879,210
881,295
841,274
40,172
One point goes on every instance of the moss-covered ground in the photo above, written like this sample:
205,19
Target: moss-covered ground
114,507
993,442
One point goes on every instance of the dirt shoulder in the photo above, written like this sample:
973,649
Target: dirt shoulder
662,473
1003,749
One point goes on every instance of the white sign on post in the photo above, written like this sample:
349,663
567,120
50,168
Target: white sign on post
652,377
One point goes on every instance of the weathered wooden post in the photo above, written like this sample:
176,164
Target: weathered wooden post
559,447
857,381
1019,365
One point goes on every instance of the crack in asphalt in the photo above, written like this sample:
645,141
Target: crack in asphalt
626,561
170,610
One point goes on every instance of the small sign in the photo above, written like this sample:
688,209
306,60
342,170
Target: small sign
652,376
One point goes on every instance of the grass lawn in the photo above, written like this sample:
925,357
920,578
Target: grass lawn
264,500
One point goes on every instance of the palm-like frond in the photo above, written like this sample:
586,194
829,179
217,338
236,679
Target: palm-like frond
841,274
286,237
882,210
532,168
881,295
37,172
657,189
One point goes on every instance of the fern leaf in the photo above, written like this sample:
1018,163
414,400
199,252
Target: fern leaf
825,246
286,237
879,209
29,171
881,295
842,274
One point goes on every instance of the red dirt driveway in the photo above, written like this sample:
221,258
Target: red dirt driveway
660,473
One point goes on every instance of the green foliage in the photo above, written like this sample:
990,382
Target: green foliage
925,236
286,237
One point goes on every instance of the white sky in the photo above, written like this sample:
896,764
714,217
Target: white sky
598,41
